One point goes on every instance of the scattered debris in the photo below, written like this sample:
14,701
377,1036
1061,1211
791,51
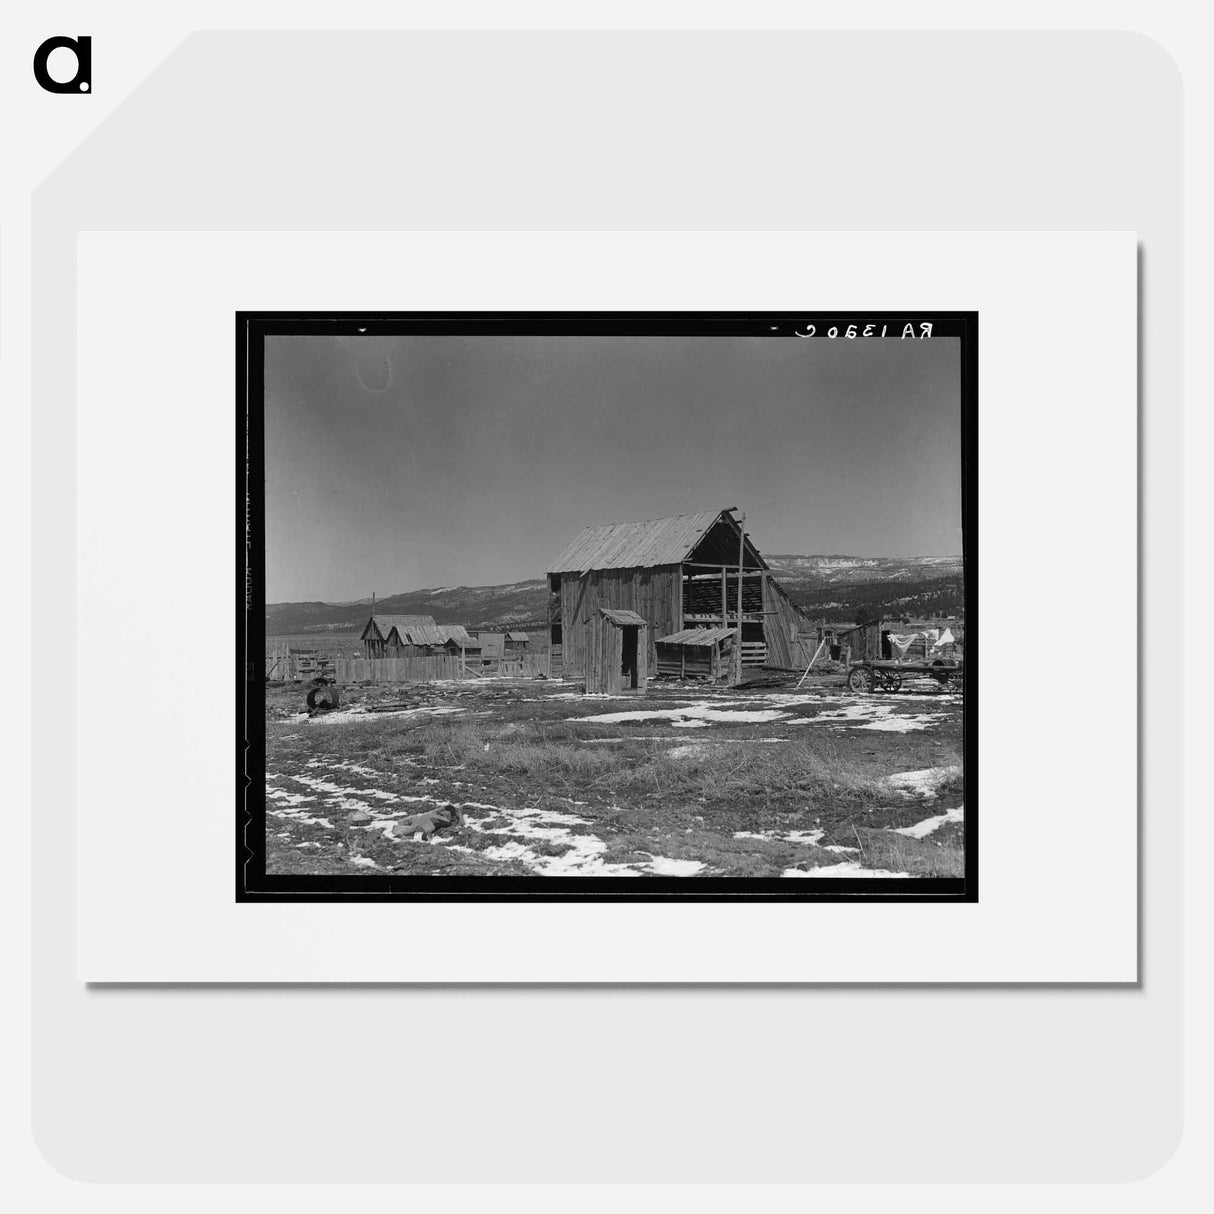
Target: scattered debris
323,697
428,823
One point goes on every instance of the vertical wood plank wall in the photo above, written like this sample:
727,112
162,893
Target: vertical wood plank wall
780,630
654,594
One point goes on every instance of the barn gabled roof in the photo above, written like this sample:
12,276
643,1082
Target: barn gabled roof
384,624
659,541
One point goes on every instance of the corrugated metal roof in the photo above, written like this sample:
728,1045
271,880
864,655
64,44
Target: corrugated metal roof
659,541
385,623
618,615
696,636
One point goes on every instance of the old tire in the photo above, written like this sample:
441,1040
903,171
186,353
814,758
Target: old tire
323,697
860,678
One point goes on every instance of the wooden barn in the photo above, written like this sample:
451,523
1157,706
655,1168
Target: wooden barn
872,641
674,573
696,653
617,651
517,642
376,635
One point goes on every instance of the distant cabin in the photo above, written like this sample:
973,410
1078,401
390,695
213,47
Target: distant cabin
428,640
375,636
675,574
516,641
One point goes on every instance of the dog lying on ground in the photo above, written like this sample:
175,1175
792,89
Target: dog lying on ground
429,823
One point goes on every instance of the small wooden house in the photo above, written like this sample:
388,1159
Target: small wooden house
376,636
493,644
428,640
517,642
696,653
617,651
827,635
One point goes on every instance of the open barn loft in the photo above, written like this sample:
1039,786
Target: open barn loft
675,573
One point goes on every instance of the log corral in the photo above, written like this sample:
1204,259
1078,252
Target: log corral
676,574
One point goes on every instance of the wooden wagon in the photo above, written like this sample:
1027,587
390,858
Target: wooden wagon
873,675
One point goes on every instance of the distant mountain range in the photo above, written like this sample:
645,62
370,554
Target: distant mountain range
849,570
837,588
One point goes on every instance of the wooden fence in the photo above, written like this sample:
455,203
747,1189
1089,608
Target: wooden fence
292,667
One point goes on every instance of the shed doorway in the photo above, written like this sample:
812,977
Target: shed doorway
617,651
629,647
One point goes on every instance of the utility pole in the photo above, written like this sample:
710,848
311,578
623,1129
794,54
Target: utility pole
737,661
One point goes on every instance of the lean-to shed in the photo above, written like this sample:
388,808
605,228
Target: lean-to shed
696,653
617,651
675,573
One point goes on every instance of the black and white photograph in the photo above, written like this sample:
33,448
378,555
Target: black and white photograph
572,605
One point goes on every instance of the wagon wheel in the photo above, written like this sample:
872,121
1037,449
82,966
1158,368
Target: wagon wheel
891,680
860,678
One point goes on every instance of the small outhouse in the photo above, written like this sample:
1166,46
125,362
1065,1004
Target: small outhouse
617,651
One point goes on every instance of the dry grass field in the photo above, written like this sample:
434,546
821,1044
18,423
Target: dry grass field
688,781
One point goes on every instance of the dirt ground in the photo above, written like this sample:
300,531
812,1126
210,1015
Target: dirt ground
687,781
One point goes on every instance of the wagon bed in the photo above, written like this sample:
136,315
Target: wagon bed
886,675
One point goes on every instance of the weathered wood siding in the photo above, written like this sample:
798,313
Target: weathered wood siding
780,630
654,594
689,661
605,657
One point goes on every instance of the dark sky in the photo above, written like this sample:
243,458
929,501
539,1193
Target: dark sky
402,463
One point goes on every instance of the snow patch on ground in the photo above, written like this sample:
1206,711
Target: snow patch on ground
869,714
924,783
666,867
928,825
298,815
347,716
806,838
288,798
905,724
690,716
848,868
345,765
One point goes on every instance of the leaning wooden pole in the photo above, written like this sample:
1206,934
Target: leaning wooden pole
737,661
